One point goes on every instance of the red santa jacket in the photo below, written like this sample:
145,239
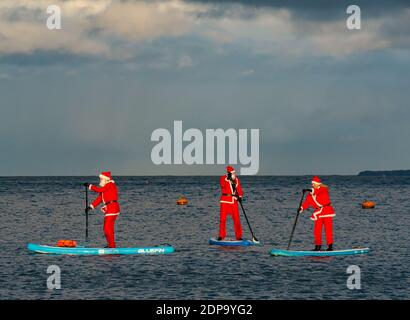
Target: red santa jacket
228,194
319,200
108,195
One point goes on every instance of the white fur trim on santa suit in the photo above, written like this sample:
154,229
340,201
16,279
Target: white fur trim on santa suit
314,199
110,181
233,197
101,176
315,217
315,214
108,214
112,214
328,215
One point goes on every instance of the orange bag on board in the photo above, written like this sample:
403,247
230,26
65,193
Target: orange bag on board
67,243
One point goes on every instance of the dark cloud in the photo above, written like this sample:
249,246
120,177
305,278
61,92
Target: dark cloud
350,113
310,9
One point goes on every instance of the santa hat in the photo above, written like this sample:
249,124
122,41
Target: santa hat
316,180
106,175
230,169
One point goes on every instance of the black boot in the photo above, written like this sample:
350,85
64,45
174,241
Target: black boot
330,247
219,238
317,248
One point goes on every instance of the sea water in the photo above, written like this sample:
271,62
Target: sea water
45,209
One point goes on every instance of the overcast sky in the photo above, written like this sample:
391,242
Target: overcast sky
327,100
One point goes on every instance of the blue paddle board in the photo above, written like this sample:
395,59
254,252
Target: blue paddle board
232,243
288,253
99,251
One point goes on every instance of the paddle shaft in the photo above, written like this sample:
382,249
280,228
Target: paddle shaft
296,219
250,229
86,213
243,210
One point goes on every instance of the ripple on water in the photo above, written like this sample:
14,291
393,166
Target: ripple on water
44,209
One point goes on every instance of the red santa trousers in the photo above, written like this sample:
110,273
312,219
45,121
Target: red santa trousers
109,222
232,210
317,230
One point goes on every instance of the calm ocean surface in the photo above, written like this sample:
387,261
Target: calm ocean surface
45,209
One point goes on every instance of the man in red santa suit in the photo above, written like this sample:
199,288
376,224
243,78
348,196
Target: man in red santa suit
318,198
108,196
231,194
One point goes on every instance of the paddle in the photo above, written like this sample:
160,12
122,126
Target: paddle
86,213
297,216
250,229
254,239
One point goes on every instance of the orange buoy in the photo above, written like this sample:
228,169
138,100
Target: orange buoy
368,204
67,243
182,201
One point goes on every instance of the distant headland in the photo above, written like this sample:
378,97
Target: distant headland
391,173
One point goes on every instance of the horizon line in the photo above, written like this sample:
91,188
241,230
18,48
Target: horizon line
183,175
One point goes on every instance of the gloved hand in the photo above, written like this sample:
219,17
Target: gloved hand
307,190
240,199
300,210
89,208
87,184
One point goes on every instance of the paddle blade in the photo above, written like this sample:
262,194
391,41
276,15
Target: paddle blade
255,240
